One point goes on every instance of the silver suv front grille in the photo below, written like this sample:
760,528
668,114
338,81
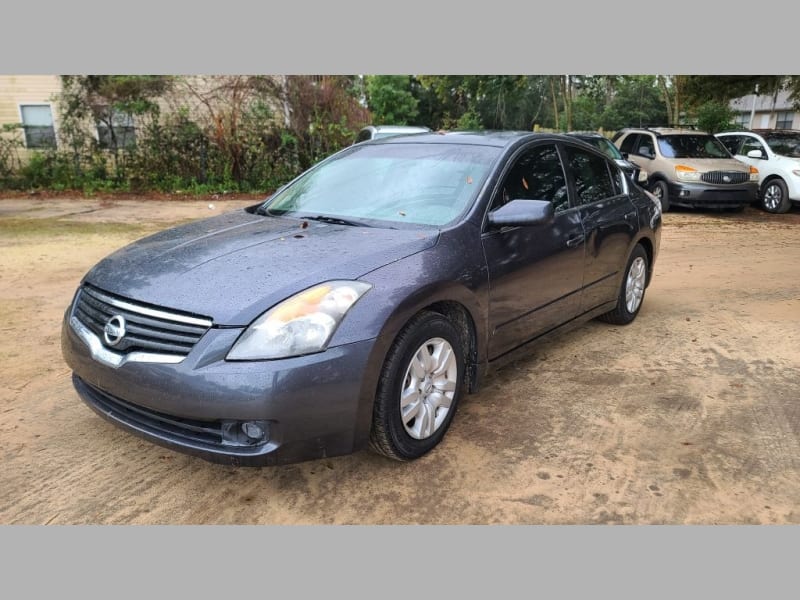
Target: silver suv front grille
137,328
725,177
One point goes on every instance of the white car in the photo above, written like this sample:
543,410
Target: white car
776,155
377,132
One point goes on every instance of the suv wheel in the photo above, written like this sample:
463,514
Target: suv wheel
775,196
660,190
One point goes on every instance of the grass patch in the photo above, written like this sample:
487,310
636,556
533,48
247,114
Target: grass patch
58,227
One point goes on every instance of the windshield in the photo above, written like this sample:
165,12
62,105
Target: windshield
606,147
785,144
423,184
692,146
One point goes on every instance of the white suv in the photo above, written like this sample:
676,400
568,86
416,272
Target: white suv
776,155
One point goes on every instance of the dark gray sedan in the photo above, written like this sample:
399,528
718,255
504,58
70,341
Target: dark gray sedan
362,299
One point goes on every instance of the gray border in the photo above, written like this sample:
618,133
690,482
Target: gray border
497,37
415,36
330,561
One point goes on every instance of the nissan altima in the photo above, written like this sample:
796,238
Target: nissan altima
358,303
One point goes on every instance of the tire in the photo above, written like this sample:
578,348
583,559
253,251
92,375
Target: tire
775,196
636,273
400,437
660,190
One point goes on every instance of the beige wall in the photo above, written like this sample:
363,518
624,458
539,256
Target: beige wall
27,89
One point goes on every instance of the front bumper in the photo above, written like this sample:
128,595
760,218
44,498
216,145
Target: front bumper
311,407
712,196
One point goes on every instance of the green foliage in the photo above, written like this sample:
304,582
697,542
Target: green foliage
254,133
635,102
390,99
723,88
713,116
469,121
10,143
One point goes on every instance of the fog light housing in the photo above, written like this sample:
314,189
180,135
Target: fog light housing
685,193
253,430
245,433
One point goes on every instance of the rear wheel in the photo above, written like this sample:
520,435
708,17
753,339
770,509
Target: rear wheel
419,388
660,190
631,293
775,196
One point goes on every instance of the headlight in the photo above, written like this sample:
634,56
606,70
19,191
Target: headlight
302,324
753,174
687,173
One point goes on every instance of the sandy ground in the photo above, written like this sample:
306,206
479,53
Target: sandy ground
689,415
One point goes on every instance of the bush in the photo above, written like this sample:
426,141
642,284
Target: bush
714,117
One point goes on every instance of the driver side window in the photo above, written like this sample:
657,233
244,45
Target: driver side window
753,144
536,175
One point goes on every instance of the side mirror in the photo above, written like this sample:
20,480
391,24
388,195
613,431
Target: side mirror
755,154
517,213
624,155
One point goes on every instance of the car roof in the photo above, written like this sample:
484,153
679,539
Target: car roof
497,138
670,130
586,134
397,128
761,132
769,131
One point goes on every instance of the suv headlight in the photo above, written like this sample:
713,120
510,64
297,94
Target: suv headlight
753,174
687,173
301,324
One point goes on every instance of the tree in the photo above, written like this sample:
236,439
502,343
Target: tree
714,116
635,102
323,115
390,99
108,97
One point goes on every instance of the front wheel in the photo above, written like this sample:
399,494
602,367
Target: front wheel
660,190
631,293
775,196
419,388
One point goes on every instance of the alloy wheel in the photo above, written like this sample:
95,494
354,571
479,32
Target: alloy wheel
429,386
634,288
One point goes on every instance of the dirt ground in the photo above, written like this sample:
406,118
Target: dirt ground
689,415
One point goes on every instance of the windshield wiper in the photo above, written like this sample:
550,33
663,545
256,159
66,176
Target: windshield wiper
332,220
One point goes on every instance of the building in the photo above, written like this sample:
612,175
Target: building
31,100
772,111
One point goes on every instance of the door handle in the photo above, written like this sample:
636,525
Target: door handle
575,241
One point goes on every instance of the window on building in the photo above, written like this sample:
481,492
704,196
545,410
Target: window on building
742,119
37,121
784,119
124,134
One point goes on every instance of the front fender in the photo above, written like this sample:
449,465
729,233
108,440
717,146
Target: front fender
402,289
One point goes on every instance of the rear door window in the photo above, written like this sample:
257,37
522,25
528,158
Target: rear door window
591,176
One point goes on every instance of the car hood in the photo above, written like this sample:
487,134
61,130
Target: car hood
235,266
712,164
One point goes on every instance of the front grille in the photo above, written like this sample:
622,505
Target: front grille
147,328
203,432
725,177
